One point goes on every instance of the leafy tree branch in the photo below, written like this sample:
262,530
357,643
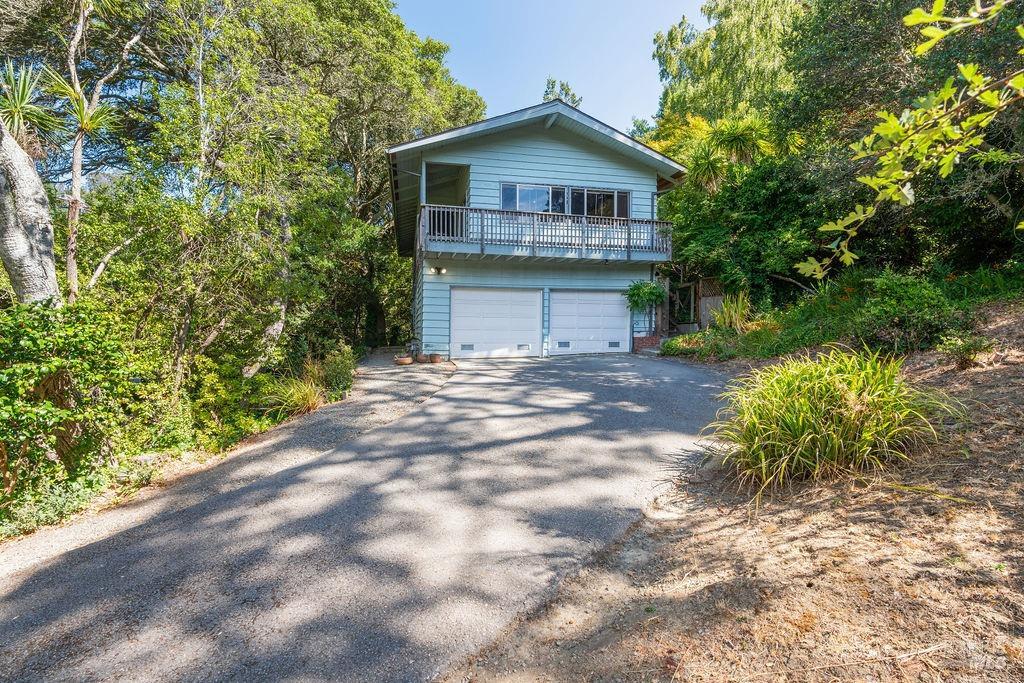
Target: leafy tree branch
934,135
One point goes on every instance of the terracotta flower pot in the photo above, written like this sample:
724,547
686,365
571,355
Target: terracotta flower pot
421,358
435,358
403,360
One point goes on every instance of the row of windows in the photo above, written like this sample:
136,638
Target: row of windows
553,199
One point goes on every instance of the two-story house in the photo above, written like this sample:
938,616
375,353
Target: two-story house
525,230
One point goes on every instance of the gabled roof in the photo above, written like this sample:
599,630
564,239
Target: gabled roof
405,166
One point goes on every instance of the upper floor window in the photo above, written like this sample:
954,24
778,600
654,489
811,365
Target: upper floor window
577,201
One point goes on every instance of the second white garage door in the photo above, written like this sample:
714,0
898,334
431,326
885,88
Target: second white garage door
495,323
589,322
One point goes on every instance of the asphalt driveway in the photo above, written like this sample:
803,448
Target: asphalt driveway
379,557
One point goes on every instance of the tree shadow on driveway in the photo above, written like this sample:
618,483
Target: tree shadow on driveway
378,558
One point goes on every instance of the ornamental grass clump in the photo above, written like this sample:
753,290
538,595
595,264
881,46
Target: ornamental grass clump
816,418
292,396
734,313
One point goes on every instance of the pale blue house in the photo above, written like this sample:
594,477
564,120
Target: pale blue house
525,229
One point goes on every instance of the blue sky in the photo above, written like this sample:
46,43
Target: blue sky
507,49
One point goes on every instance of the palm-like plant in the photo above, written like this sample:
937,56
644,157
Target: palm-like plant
86,118
29,122
712,152
742,140
789,143
706,165
86,114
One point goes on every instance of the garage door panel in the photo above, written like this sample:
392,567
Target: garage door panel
495,323
589,322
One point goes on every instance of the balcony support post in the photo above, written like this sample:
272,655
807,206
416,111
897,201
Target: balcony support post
421,219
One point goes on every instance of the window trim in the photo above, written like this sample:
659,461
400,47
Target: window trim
568,198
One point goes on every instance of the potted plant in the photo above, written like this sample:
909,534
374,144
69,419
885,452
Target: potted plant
403,359
435,358
642,296
422,357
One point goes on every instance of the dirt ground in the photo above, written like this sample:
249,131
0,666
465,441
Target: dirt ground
919,577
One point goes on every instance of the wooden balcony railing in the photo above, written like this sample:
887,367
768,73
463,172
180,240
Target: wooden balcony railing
541,233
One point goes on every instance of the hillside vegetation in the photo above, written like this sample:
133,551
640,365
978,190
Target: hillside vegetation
885,310
214,246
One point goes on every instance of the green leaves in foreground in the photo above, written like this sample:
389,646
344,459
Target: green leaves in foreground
815,418
932,136
938,26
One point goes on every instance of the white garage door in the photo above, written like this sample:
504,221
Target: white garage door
589,322
495,323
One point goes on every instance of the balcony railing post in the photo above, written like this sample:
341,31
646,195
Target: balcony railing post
482,222
629,240
533,235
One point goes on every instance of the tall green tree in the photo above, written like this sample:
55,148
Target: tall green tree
738,61
561,90
85,109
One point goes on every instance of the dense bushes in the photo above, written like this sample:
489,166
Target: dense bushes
963,348
829,314
814,418
683,345
339,368
889,311
225,407
65,379
903,312
756,227
319,382
80,402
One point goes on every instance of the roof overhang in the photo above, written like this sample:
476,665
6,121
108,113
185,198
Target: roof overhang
406,165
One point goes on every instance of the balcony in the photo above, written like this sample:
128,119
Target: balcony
462,230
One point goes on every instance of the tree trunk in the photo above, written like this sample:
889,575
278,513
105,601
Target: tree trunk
1000,206
26,228
74,217
375,332
273,331
182,334
791,281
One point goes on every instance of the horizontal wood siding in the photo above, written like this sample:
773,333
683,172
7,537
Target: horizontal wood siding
436,295
546,157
